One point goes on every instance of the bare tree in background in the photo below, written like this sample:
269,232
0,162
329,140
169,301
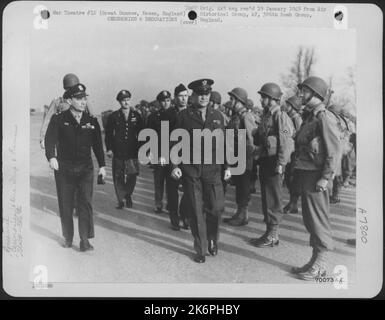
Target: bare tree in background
345,98
300,69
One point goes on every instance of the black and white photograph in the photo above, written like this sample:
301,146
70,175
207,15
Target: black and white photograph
180,149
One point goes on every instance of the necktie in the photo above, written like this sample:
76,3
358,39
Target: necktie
202,115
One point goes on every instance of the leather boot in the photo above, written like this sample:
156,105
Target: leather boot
269,239
317,269
233,217
242,219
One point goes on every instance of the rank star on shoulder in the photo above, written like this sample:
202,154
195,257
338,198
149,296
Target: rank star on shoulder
161,310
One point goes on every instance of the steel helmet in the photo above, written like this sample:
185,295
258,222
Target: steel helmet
271,90
70,80
215,97
317,85
239,94
295,102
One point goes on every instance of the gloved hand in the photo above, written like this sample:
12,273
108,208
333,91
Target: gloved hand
53,164
109,153
227,175
176,173
321,185
102,171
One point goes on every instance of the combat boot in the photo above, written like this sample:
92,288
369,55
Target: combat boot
317,268
304,268
233,217
290,208
269,239
242,219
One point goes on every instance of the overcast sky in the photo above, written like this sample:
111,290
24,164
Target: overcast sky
145,60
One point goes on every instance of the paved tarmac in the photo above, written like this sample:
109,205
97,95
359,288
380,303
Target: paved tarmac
138,245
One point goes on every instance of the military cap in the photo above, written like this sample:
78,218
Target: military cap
77,91
179,88
123,94
201,86
163,95
216,97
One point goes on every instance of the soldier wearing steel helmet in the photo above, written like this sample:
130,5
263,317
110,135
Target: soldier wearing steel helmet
60,104
317,154
273,138
292,107
242,120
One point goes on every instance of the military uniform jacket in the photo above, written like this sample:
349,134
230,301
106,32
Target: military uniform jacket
154,122
57,105
122,135
190,119
274,136
73,141
245,121
317,143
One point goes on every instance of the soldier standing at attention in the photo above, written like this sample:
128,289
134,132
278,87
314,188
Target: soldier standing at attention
161,169
202,182
293,109
243,120
122,146
317,150
273,137
69,139
59,105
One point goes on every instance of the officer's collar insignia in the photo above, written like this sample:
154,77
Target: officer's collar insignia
66,124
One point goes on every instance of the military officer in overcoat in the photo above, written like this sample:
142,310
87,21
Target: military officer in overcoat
121,138
202,182
69,139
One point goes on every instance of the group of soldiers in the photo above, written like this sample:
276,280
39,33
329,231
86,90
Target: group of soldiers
299,141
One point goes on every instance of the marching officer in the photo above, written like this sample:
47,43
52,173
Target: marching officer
293,109
316,155
273,138
59,105
70,136
242,120
161,169
122,146
178,212
202,182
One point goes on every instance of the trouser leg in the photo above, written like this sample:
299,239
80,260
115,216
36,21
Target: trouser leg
173,199
118,178
130,184
271,192
86,222
66,192
315,211
159,180
193,191
213,204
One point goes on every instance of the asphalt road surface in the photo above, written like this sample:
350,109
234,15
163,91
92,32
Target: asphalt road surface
138,245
